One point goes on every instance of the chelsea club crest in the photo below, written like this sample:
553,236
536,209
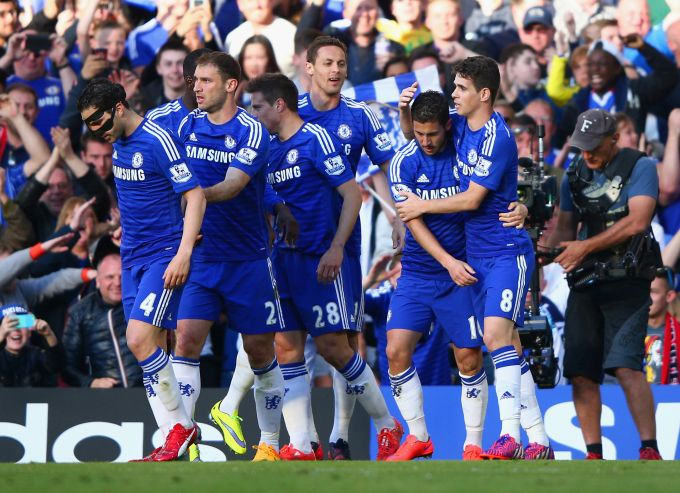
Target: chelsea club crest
472,156
229,141
137,160
292,156
344,132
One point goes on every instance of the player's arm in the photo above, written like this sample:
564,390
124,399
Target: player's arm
234,181
460,272
405,121
329,265
641,209
178,269
414,206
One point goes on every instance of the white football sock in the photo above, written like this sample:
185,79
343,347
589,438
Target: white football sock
507,384
296,405
311,426
361,382
241,383
530,414
474,395
269,391
160,383
188,374
408,393
344,408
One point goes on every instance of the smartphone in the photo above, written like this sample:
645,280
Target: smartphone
38,42
195,3
26,320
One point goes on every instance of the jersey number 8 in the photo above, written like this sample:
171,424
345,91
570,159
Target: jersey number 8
332,314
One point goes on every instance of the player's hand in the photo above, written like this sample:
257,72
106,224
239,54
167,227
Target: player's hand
515,216
410,208
287,225
103,383
461,272
573,255
407,96
398,236
329,265
177,271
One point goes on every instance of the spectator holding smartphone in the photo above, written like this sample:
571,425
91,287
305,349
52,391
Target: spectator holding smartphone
21,363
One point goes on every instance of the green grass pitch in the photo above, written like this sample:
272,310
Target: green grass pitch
347,477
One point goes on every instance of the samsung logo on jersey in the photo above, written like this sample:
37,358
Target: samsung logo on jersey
284,175
214,155
437,193
128,174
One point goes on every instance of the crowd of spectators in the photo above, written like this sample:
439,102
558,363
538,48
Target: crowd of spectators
59,224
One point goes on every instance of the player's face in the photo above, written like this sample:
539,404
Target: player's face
98,120
431,136
211,89
265,112
329,70
466,98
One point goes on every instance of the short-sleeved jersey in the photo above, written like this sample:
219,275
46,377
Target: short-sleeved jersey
488,157
169,115
643,180
150,170
304,171
356,128
233,229
429,177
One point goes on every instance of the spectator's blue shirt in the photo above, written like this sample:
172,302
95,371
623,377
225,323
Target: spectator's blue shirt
429,177
51,102
431,357
151,171
144,42
643,180
13,161
233,230
488,157
656,37
169,115
305,171
356,128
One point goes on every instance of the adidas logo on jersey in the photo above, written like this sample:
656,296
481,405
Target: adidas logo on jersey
192,137
507,395
423,179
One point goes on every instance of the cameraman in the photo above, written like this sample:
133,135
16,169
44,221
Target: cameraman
611,194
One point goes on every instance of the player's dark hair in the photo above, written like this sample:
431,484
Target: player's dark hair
514,50
430,106
482,71
102,94
273,87
259,39
172,44
226,65
304,38
189,66
320,42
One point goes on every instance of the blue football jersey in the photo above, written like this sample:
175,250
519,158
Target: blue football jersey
356,128
430,177
488,157
151,171
304,171
234,229
169,115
